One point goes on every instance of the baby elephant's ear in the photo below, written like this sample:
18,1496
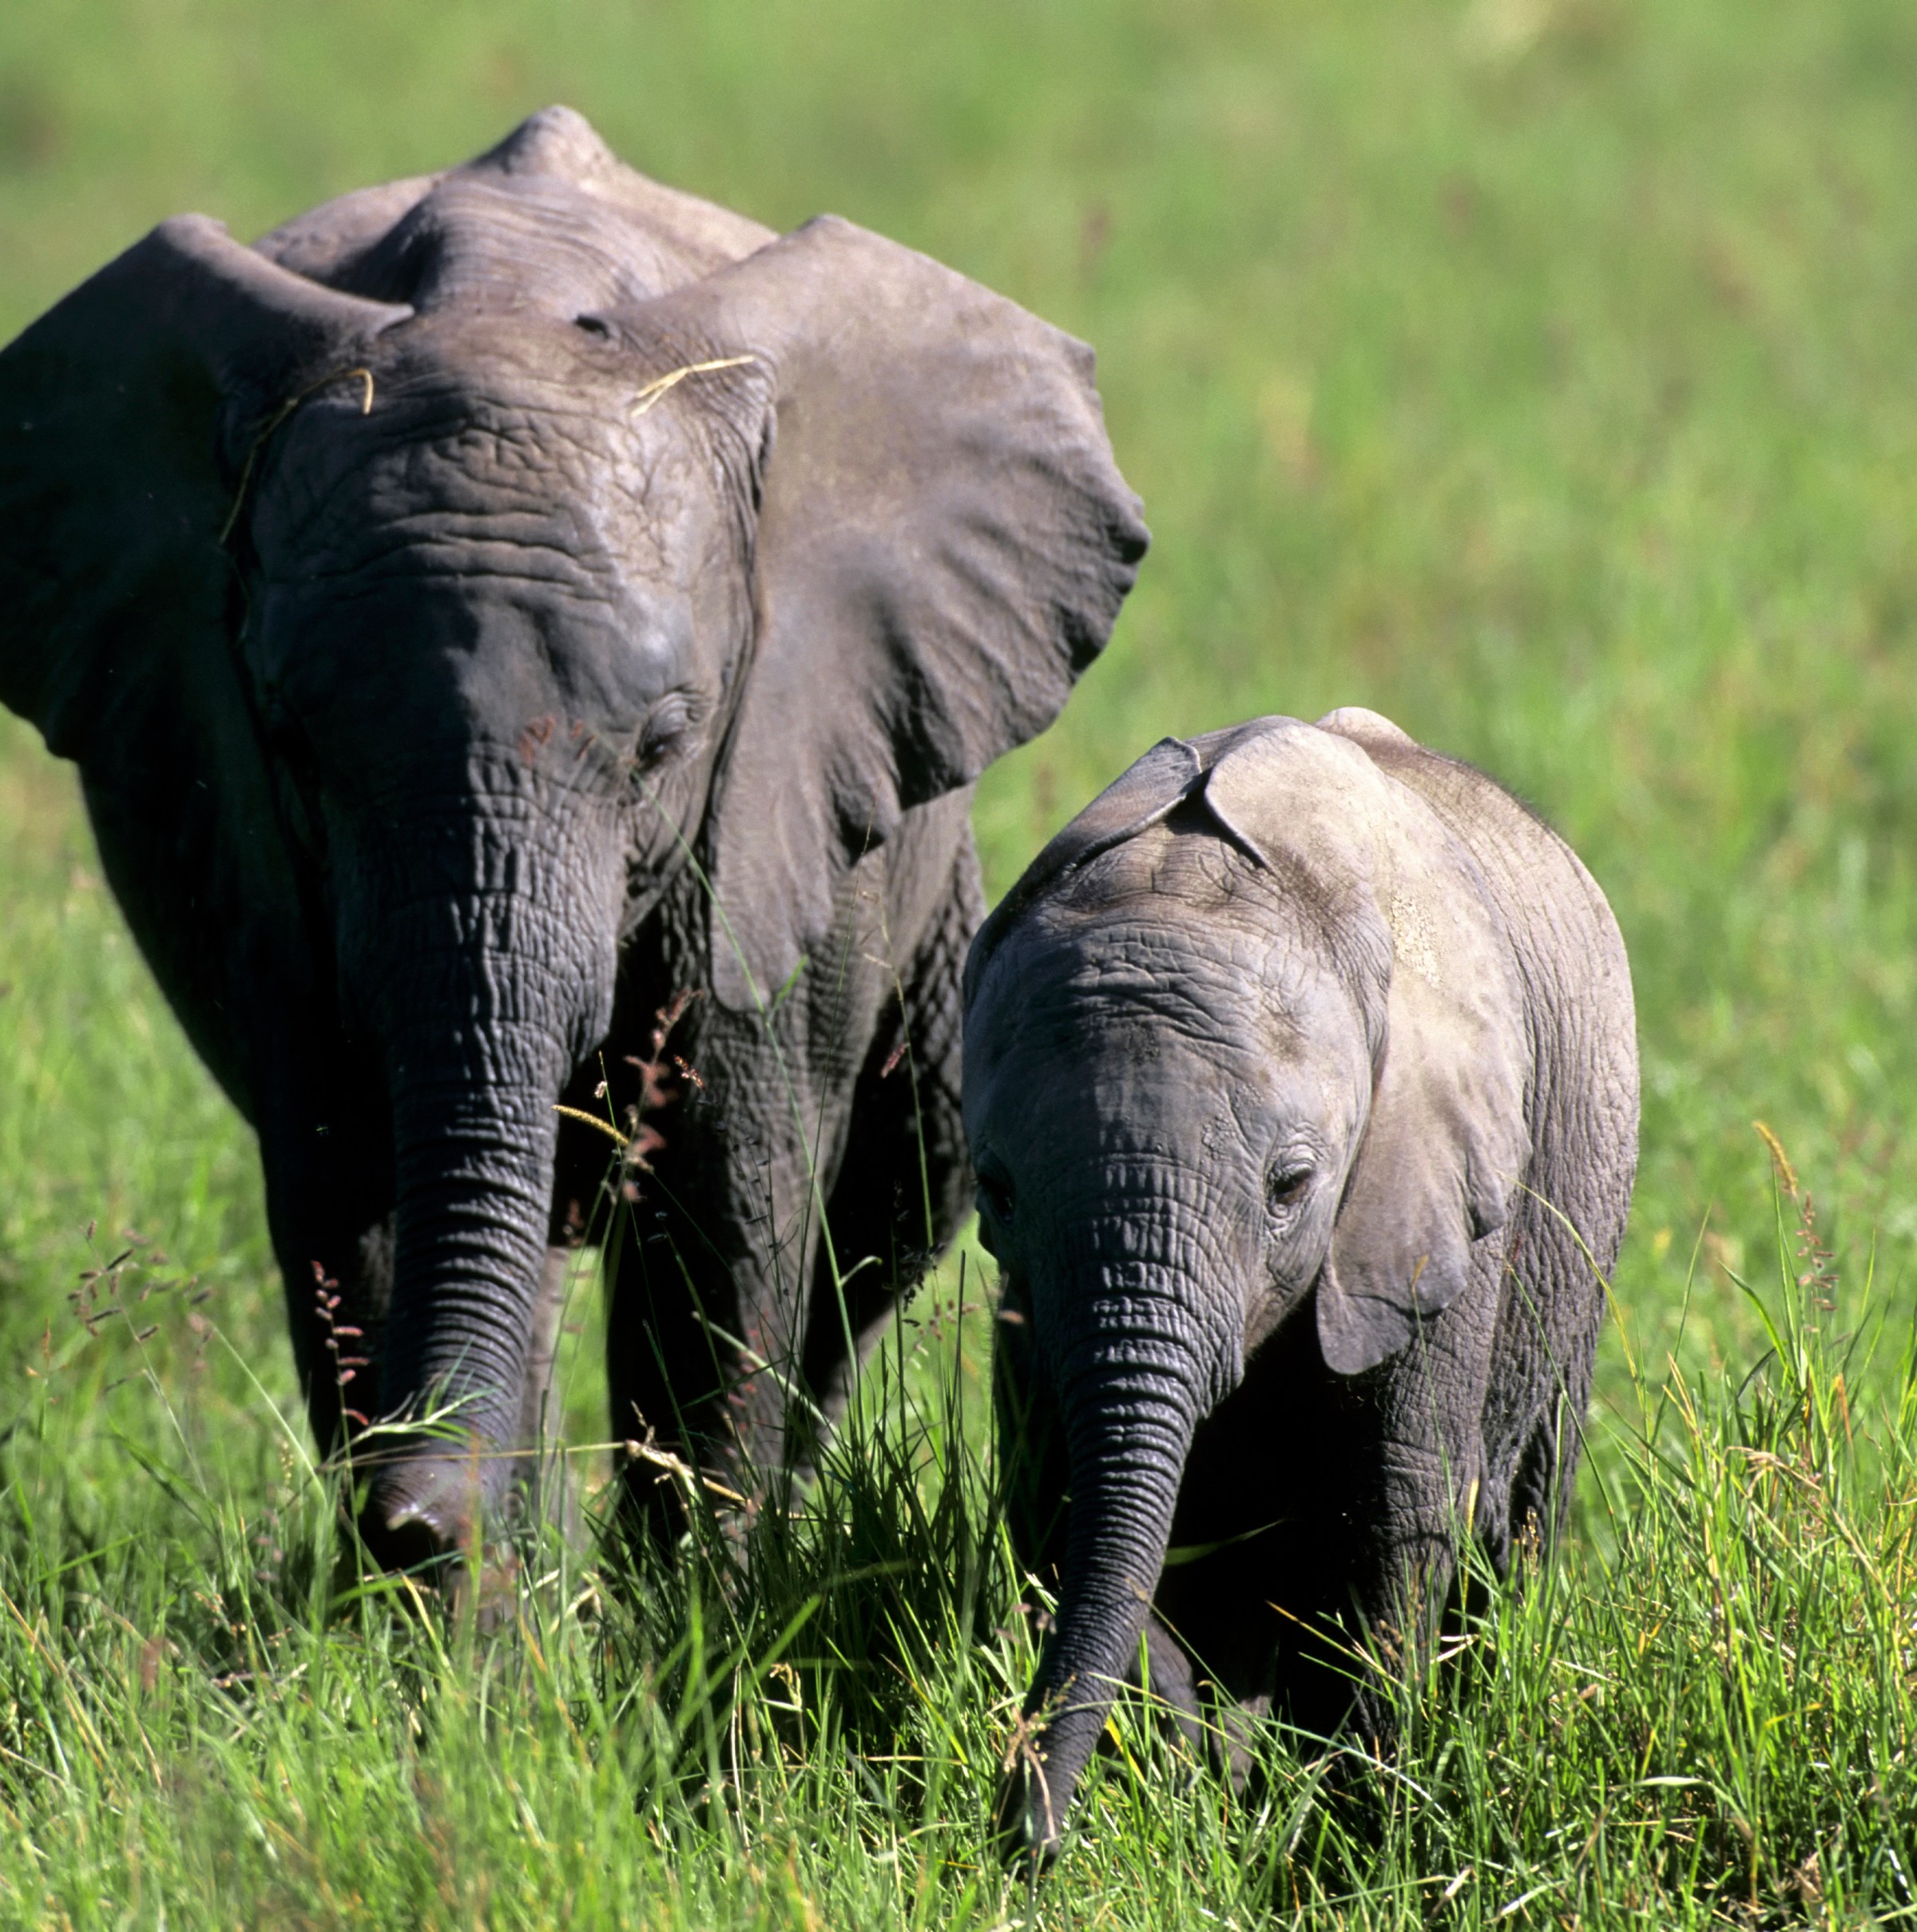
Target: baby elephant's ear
1447,1144
943,544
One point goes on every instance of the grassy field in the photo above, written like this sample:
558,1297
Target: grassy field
1539,372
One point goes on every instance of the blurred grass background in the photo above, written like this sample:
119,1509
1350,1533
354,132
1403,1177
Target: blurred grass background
1539,372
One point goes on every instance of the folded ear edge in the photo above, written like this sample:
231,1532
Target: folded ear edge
1149,790
1358,1329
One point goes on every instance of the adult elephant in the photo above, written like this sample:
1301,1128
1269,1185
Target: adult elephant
493,606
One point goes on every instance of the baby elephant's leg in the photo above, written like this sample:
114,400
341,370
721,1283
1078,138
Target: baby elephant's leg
1214,1725
1172,1682
1423,1489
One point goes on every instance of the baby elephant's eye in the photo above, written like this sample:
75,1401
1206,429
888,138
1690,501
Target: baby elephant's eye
995,1198
1285,1186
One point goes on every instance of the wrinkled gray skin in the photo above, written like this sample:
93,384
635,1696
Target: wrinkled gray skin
444,599
1300,1080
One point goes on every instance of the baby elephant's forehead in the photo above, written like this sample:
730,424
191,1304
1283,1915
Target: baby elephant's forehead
1152,965
1181,894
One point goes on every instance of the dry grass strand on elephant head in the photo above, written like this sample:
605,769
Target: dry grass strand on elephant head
265,434
662,385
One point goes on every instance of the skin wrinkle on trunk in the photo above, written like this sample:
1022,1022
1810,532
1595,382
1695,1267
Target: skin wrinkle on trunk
1150,1266
474,1198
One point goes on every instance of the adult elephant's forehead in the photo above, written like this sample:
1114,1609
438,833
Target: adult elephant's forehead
463,430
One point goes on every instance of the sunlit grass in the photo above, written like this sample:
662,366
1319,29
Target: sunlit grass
1704,1713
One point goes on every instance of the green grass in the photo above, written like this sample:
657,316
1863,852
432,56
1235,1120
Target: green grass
1537,372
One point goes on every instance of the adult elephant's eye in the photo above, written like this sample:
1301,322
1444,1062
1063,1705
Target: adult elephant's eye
666,728
1286,1186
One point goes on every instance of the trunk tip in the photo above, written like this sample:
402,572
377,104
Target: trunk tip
423,1513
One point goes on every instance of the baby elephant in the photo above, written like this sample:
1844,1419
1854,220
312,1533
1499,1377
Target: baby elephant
1301,1083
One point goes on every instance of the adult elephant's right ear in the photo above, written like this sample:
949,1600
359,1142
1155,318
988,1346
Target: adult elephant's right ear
125,414
943,543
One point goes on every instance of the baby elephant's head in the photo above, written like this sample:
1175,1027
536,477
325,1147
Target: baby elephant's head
1247,1036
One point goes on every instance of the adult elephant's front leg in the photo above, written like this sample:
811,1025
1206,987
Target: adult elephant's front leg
329,1192
903,1186
807,1168
710,1282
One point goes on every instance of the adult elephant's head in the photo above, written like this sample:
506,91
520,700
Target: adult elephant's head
446,570
1245,1041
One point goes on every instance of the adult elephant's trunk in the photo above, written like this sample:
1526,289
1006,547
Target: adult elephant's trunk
487,995
1145,1356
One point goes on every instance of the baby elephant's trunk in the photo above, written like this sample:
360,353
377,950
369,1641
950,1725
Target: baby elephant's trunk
1140,1370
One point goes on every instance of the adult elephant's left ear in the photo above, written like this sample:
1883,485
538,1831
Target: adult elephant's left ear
943,543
